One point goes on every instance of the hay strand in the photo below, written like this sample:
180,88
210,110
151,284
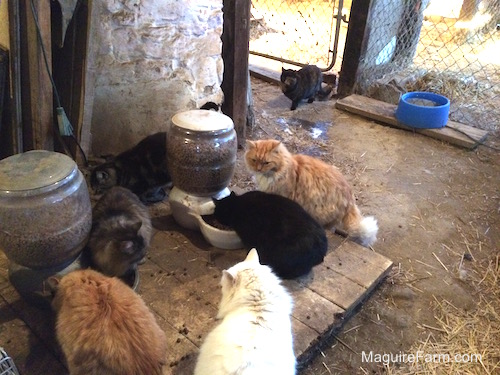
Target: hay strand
472,334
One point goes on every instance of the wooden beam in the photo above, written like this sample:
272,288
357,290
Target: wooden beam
235,41
70,71
355,46
455,133
38,127
88,88
12,142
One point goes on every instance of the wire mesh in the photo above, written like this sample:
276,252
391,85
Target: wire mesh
300,31
446,47
7,366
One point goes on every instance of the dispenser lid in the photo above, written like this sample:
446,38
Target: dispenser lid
34,169
202,120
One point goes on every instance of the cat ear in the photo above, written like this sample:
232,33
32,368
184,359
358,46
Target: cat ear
52,284
127,247
252,256
250,144
227,278
276,144
233,194
135,227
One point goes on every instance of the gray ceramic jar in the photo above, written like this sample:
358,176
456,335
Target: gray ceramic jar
45,209
201,151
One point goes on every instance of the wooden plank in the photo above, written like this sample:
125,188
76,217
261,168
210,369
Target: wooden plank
37,90
70,71
181,352
87,105
312,309
304,338
314,320
338,278
15,77
180,283
452,133
30,355
41,324
335,287
355,46
176,302
265,74
235,39
350,258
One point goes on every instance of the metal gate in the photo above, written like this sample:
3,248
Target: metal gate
297,32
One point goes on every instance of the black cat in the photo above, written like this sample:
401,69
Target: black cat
287,238
141,169
303,84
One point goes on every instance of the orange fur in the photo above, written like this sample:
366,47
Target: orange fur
104,327
319,187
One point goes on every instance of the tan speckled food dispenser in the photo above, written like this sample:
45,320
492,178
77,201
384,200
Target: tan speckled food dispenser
201,155
45,217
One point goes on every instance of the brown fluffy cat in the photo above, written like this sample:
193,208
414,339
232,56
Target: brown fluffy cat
319,187
121,232
104,327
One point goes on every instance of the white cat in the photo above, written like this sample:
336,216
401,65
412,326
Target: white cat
255,336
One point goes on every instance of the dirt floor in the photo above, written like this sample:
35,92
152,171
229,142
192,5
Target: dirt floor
438,208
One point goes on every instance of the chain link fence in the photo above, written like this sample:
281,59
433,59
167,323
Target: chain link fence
447,47
297,31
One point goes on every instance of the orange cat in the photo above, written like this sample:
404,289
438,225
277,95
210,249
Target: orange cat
319,187
104,327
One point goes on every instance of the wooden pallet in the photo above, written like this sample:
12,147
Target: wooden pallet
454,132
180,284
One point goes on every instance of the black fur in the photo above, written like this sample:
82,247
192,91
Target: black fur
286,237
211,106
141,169
303,84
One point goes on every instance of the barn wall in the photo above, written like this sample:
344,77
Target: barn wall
154,58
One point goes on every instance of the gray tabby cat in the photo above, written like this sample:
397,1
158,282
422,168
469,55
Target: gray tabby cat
121,232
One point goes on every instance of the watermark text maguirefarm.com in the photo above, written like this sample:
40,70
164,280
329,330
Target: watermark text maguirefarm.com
419,356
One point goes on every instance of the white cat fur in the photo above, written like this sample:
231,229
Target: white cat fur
254,337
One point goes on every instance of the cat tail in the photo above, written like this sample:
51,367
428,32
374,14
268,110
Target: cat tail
361,229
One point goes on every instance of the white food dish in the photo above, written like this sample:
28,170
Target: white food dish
223,239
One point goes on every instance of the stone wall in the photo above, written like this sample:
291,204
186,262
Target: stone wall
153,58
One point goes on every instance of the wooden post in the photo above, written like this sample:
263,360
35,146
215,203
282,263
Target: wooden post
38,127
72,74
11,141
235,40
355,46
90,77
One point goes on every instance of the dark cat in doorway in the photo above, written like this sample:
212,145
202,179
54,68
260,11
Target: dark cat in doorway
303,84
141,169
121,233
287,238
211,106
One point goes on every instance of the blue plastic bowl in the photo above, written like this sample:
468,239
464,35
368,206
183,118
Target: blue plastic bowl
424,110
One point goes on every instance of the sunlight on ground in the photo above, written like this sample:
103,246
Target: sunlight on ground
449,8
